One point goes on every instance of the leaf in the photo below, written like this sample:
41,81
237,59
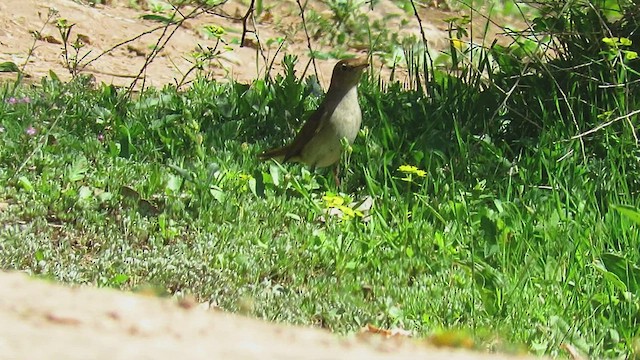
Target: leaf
185,174
610,277
628,211
275,174
54,77
625,41
293,216
9,66
217,193
39,255
409,252
173,184
395,312
625,270
152,102
104,196
85,193
256,184
157,18
630,55
77,170
119,279
25,183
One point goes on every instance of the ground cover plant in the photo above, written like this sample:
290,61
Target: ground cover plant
498,197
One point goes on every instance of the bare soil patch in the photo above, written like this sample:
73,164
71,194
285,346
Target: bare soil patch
42,320
102,27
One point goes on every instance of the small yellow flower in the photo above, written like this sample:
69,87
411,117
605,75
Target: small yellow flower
333,200
457,44
347,212
338,202
410,169
407,168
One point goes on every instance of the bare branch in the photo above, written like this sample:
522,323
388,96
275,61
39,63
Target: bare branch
306,33
604,125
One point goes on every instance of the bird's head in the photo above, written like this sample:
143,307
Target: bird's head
346,73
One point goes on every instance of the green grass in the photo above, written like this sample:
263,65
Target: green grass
516,231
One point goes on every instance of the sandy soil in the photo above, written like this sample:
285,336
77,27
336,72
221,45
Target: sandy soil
43,320
102,27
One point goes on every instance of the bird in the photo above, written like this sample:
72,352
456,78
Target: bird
319,142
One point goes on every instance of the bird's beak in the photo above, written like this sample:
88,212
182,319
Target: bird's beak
361,63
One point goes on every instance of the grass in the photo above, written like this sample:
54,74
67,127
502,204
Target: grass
489,215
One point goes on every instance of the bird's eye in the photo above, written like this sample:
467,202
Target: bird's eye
344,67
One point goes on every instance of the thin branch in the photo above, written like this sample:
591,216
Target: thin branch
273,59
604,125
150,31
244,22
306,33
161,43
36,35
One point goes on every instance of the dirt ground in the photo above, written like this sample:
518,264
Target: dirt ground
43,320
102,27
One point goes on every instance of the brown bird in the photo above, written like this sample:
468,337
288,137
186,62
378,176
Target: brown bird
318,144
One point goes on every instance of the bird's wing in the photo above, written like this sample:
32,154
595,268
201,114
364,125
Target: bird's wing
310,128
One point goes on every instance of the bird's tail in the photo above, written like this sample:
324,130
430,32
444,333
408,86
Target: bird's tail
278,154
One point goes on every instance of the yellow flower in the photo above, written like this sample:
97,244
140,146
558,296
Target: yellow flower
407,168
338,202
457,43
333,200
410,169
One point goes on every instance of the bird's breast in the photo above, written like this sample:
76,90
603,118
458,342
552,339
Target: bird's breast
344,122
347,117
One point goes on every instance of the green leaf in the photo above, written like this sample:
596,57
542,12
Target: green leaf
351,265
625,41
9,66
173,184
214,31
85,193
217,193
409,251
119,279
610,277
256,184
54,77
274,171
25,184
77,170
39,255
395,313
628,211
185,174
104,196
157,18
625,270
630,55
293,216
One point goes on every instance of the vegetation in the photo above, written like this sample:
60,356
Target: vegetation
498,197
